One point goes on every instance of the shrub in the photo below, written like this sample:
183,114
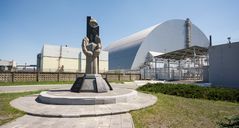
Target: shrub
194,91
231,122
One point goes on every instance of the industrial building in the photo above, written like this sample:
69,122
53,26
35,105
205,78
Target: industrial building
224,65
131,52
6,65
55,58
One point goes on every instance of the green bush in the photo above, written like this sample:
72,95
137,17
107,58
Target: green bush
231,122
194,91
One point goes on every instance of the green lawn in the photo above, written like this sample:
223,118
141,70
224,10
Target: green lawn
35,83
8,113
179,112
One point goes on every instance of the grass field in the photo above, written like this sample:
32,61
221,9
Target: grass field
179,112
7,113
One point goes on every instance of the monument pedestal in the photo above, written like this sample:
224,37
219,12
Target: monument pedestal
91,83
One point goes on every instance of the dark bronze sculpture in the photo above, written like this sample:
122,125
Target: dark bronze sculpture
91,47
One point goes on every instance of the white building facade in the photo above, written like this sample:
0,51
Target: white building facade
6,65
54,58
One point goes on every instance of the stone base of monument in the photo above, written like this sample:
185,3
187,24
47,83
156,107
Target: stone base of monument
65,97
83,100
64,103
91,83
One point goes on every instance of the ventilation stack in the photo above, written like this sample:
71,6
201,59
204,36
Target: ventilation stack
188,25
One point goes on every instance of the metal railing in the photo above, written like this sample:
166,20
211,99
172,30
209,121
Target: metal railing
173,73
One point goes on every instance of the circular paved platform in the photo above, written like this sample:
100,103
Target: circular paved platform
30,106
66,97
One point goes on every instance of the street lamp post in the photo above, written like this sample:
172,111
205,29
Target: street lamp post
229,39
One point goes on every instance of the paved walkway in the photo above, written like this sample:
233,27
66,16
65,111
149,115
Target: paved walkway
123,120
110,121
24,88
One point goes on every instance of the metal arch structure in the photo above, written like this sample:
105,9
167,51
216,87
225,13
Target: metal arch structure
185,53
130,52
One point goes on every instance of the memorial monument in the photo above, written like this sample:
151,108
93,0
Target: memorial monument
91,95
91,47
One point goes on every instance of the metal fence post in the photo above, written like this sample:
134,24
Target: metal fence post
119,77
58,76
37,75
13,75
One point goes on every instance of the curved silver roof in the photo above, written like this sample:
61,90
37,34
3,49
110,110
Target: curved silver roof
128,41
130,52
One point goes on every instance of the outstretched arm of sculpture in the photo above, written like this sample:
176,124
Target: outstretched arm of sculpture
85,42
98,47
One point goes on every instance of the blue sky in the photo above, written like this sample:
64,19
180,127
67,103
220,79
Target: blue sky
25,25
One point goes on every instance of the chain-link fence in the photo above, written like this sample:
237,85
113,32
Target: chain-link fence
172,73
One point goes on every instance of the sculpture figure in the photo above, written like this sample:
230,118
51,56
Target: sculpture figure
91,47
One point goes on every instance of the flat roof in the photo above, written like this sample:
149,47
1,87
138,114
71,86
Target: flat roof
184,53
